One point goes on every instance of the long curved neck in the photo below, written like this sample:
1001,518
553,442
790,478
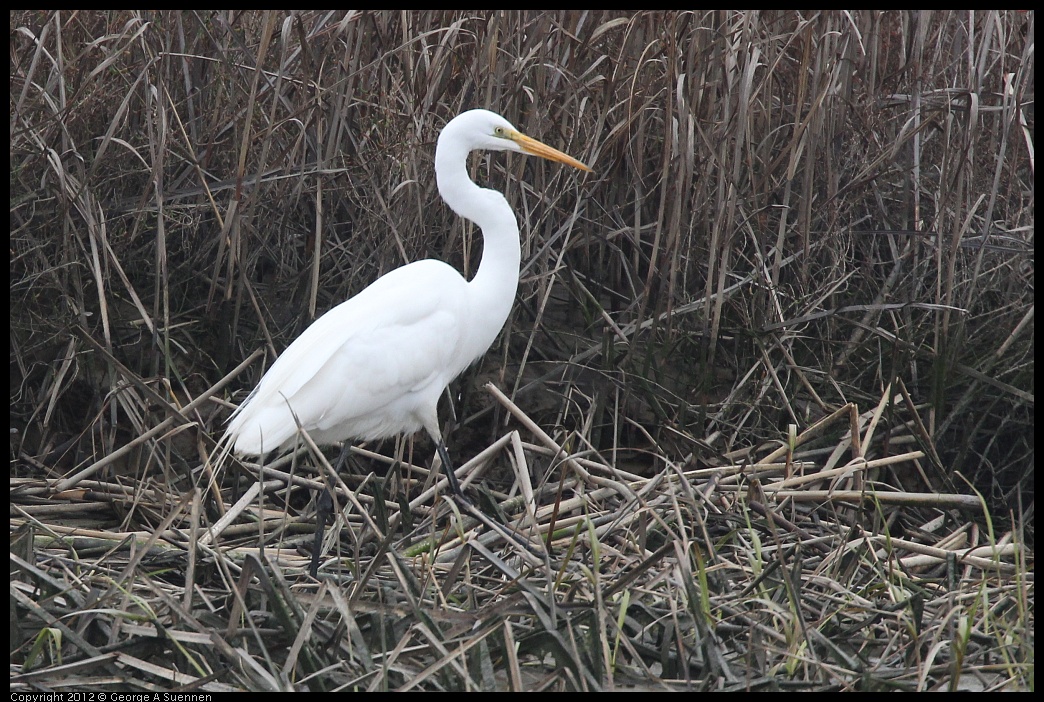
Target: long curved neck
496,280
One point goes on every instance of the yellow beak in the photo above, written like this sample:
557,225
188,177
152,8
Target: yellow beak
538,148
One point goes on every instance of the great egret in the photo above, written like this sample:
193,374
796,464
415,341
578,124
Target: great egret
375,365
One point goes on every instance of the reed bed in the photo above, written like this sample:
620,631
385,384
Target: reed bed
763,412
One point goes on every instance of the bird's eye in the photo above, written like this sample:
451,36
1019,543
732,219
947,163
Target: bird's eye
499,131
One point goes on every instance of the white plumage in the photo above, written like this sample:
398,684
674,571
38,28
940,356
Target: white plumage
375,365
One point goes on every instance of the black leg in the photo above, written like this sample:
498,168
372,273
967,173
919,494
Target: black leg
324,505
465,504
323,513
342,457
447,468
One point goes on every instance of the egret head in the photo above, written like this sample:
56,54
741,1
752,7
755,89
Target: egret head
482,129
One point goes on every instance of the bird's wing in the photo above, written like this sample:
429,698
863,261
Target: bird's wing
396,337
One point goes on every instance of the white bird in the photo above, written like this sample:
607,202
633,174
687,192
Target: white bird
375,365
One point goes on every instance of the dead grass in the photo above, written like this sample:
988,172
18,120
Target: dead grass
763,410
